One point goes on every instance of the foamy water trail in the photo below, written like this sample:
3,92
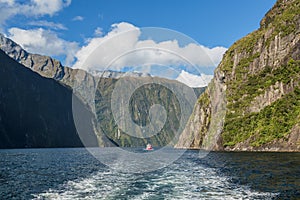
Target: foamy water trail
172,183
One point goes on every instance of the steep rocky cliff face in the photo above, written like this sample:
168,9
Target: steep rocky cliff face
169,95
205,125
255,90
37,111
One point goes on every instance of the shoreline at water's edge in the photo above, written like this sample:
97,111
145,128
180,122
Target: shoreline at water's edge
243,150
179,148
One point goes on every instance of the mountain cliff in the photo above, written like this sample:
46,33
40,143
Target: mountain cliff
37,111
153,91
96,92
48,67
253,101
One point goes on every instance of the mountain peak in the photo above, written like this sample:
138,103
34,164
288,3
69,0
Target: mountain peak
43,65
283,13
12,49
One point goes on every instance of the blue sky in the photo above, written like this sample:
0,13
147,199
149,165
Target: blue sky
72,25
211,23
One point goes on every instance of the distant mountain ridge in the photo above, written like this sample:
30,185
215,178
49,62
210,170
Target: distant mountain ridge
117,74
52,68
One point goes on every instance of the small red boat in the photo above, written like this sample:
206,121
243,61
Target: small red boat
149,147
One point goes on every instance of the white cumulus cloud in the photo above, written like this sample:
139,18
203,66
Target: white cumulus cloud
10,8
45,42
108,50
193,80
122,47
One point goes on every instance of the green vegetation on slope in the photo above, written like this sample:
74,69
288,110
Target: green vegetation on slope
139,105
241,93
283,18
273,122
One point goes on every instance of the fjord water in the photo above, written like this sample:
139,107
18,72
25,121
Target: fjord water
75,174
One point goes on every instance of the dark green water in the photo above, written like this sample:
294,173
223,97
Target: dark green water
75,174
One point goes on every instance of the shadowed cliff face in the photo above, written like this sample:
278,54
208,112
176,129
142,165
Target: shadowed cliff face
48,67
255,89
37,111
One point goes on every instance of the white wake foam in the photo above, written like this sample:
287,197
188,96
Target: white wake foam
175,183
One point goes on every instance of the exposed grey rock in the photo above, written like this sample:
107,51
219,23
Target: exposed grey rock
272,49
271,95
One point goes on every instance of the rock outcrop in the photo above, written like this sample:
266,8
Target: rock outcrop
77,79
255,90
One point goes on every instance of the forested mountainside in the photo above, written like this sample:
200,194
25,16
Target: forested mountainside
253,102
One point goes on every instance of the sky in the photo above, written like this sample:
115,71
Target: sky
73,30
